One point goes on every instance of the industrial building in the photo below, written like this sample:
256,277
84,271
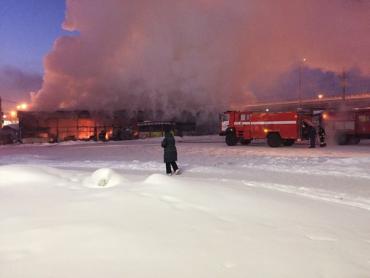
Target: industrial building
66,125
36,126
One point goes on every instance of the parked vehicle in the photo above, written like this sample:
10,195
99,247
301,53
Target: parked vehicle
9,134
278,128
349,127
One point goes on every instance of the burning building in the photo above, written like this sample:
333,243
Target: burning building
65,125
86,125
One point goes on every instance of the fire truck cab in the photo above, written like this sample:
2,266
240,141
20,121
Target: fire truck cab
279,128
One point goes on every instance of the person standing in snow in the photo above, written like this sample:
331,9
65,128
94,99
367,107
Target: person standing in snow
170,152
312,136
309,132
322,135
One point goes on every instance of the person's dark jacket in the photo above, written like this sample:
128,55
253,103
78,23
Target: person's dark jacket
312,132
169,145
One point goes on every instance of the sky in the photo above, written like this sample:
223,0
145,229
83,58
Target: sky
170,56
28,29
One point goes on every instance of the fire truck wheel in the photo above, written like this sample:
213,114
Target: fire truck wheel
231,139
274,140
245,141
288,142
342,139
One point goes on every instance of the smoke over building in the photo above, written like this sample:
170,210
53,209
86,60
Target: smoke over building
198,56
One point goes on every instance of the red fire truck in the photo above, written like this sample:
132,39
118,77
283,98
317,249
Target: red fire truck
348,127
279,128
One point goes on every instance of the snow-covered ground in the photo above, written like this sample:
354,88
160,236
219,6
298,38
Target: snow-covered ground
87,209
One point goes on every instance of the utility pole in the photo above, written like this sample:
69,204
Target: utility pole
301,63
344,85
300,87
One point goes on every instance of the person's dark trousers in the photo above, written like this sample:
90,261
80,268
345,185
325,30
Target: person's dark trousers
168,167
322,141
312,141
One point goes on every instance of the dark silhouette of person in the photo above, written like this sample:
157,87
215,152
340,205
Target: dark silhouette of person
309,132
170,152
322,136
312,136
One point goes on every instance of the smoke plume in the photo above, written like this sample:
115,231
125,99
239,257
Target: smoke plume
15,85
314,81
194,55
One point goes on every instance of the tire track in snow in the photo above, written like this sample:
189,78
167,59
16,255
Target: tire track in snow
316,194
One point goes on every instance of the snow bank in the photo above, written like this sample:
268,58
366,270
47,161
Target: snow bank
30,175
104,177
234,212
